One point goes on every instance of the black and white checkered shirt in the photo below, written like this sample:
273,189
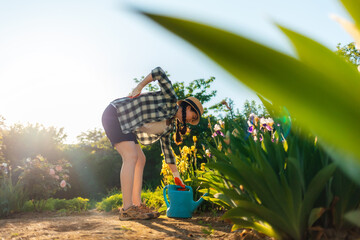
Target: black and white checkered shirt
150,107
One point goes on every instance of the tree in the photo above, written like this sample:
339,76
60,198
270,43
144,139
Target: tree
250,107
349,52
2,159
95,166
21,142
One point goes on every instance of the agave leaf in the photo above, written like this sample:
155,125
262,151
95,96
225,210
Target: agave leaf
314,101
226,199
295,181
353,7
252,210
314,189
219,202
226,169
240,223
336,70
315,214
254,182
348,197
353,217
343,74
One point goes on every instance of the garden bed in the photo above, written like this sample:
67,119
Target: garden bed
100,225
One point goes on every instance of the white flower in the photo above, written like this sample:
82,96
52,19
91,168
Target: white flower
253,118
262,122
270,121
222,124
249,123
208,153
217,127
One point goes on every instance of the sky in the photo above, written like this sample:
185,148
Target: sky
63,61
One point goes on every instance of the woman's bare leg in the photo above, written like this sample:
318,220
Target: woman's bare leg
138,176
129,155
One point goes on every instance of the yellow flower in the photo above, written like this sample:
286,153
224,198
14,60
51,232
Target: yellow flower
186,150
202,167
194,138
285,145
192,148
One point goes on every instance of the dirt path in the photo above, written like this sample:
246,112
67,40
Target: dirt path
97,225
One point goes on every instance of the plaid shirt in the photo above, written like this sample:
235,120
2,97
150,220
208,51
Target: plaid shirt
150,107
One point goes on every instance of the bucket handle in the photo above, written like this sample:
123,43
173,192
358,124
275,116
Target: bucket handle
165,198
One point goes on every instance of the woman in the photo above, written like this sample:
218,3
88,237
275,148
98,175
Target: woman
146,118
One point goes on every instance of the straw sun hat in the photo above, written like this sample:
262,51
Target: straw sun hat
195,103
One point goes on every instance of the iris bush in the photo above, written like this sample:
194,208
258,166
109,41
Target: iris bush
276,186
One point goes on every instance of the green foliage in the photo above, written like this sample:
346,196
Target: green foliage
312,85
72,205
1,139
151,199
276,186
266,188
154,199
346,198
251,107
42,179
12,197
110,203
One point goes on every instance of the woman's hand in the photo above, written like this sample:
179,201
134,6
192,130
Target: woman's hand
177,177
179,182
135,92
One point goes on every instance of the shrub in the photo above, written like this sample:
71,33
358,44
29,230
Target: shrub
71,205
41,179
151,199
12,197
110,203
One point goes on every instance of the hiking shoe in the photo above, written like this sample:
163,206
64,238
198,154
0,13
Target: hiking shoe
133,213
146,209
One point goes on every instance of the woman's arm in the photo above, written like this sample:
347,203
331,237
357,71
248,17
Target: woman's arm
169,156
137,90
176,174
164,83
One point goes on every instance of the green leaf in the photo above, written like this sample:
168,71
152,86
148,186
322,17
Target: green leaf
252,210
312,98
314,189
353,217
315,214
353,7
265,229
336,69
340,74
224,198
295,179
